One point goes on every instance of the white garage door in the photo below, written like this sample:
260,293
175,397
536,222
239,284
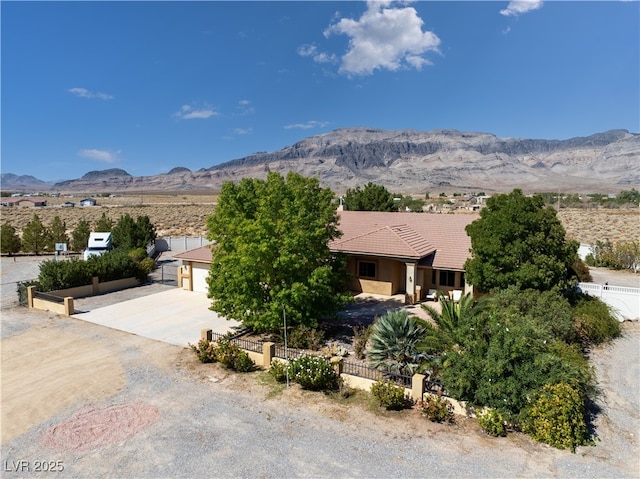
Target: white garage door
200,273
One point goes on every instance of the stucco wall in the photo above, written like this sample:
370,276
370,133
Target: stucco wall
389,276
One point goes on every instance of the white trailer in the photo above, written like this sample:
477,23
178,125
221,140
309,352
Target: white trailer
99,243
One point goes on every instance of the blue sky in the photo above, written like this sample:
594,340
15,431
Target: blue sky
148,86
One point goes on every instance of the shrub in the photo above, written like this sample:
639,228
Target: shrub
594,321
147,265
360,338
557,418
279,371
138,254
389,395
314,372
232,357
205,351
492,422
304,337
436,408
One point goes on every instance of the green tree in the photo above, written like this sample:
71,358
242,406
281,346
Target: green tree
80,235
272,252
57,233
409,203
104,224
129,234
518,241
35,236
9,240
393,342
371,198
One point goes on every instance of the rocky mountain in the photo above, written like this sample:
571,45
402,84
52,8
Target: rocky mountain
409,161
23,183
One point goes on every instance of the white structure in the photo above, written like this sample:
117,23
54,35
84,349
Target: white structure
624,301
99,243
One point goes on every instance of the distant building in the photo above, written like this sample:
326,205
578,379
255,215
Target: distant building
68,204
29,202
88,202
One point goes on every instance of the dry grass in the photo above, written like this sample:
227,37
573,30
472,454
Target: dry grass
185,214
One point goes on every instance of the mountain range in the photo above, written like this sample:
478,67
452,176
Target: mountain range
404,161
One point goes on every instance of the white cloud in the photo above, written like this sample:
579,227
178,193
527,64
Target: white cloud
187,112
518,7
384,37
308,50
100,155
307,125
243,131
84,93
244,108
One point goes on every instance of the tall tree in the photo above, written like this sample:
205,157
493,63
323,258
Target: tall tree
130,234
57,233
372,197
9,240
272,253
34,236
80,235
518,241
104,224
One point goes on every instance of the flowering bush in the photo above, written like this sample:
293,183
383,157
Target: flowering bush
311,372
436,408
390,396
557,418
492,422
314,372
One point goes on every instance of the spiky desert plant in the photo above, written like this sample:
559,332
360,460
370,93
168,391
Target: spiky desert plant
393,341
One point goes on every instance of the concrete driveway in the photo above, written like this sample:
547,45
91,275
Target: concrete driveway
174,316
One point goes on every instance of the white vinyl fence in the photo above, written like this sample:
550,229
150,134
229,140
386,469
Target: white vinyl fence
624,301
180,243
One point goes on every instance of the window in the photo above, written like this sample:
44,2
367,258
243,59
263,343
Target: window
447,278
366,269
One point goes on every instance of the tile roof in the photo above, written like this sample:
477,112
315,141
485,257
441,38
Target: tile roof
411,236
200,255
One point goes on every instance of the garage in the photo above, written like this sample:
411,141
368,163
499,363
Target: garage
192,275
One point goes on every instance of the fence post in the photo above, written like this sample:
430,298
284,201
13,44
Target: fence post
338,364
30,292
417,386
268,352
68,306
206,334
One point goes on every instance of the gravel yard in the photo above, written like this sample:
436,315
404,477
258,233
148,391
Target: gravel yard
88,401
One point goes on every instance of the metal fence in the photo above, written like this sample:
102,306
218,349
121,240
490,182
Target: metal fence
348,367
48,297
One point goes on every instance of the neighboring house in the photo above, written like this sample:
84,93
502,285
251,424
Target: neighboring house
392,253
192,275
30,202
68,204
88,202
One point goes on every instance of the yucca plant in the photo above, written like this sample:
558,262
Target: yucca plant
393,340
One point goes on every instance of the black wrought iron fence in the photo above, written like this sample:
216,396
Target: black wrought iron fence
376,374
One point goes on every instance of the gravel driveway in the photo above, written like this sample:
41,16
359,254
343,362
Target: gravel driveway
180,418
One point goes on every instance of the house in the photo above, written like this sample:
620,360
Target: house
29,202
411,253
387,253
192,275
88,202
67,204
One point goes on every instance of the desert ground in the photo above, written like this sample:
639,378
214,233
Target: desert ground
81,400
186,214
